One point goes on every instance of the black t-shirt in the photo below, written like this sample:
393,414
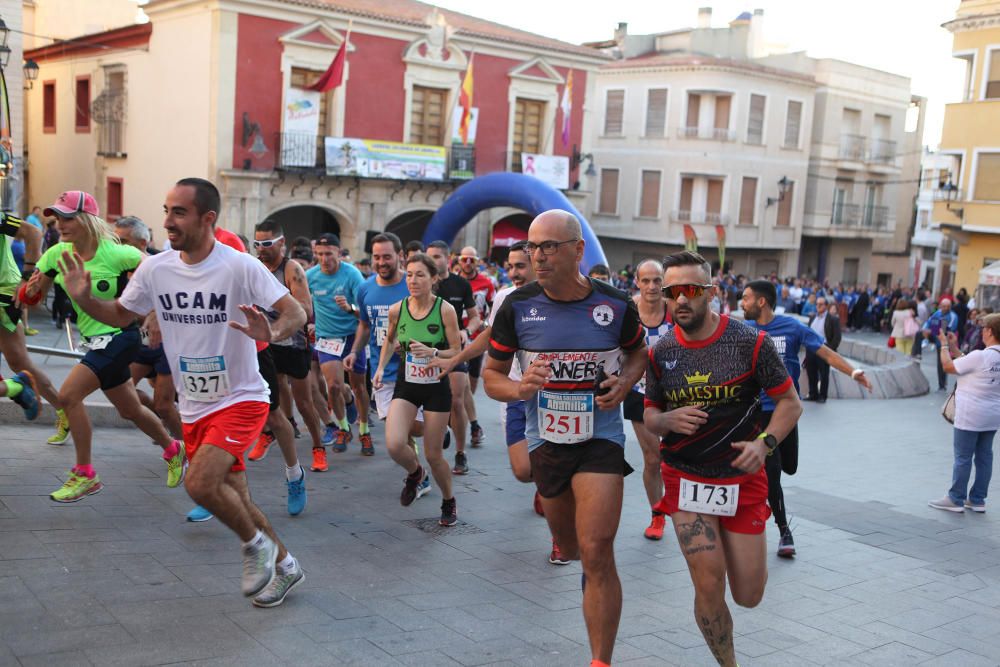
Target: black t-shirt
457,291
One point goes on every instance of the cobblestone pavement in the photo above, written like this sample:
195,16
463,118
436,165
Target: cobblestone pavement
121,579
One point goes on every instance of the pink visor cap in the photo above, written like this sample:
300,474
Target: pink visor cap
72,203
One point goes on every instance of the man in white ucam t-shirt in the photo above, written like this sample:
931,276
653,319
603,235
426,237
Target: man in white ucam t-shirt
201,291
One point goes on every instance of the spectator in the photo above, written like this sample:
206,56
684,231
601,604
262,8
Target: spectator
600,272
943,319
904,326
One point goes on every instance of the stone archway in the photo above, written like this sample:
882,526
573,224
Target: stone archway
306,220
410,225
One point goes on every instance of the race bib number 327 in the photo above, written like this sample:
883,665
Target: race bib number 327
204,379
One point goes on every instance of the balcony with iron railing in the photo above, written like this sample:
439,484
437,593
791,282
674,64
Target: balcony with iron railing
706,133
883,152
856,216
852,147
301,151
699,217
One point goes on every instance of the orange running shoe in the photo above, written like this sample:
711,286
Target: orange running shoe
539,510
367,448
260,448
655,530
319,460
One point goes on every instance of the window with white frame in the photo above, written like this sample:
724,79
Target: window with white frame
992,90
614,113
656,112
608,202
793,124
987,177
649,194
755,119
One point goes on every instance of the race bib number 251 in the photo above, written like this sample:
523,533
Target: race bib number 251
566,418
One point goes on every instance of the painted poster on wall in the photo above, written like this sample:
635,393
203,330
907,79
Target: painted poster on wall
370,158
301,127
553,169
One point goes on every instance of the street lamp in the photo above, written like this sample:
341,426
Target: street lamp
30,73
4,32
783,186
578,157
951,195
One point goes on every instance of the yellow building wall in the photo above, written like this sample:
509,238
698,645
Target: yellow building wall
973,257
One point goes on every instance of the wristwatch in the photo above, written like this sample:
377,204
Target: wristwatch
769,441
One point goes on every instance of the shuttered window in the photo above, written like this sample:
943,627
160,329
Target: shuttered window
723,103
649,197
748,199
49,106
82,104
793,124
528,115
656,112
614,113
755,122
687,187
427,116
609,191
785,207
988,177
694,109
713,200
993,82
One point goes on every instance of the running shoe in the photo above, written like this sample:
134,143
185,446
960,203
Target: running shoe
176,466
199,514
343,437
367,448
447,439
556,556
77,487
30,332
980,508
946,504
461,464
410,486
27,399
264,442
655,530
297,495
295,429
258,565
62,429
319,460
786,545
281,585
539,510
352,412
477,436
329,435
425,486
449,512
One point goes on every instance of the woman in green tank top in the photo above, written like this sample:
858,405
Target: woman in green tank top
425,326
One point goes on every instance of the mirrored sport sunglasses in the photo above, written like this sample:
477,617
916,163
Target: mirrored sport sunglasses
690,291
268,243
466,260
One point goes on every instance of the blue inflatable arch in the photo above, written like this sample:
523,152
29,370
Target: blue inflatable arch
513,190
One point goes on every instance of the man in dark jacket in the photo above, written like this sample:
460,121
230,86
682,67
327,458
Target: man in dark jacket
826,324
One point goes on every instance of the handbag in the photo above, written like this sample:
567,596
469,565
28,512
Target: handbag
948,409
910,327
892,341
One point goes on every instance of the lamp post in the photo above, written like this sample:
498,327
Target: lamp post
783,185
30,73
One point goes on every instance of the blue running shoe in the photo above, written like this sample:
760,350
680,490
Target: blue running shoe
27,399
297,495
329,435
352,412
424,487
199,514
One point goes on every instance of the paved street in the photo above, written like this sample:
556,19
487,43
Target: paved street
121,579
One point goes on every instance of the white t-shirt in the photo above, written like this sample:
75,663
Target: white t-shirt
977,399
213,365
498,299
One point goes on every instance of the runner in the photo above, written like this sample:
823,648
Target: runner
511,414
483,292
569,334
151,362
334,286
655,322
456,290
291,357
788,334
703,390
202,296
12,344
110,349
425,326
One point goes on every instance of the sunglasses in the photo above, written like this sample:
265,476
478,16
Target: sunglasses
466,260
690,291
268,243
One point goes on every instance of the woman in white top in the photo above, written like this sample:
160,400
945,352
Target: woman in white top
904,326
977,416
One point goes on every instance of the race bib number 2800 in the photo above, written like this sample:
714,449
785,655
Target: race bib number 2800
566,418
204,379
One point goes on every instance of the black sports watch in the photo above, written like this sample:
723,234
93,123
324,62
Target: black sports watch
769,441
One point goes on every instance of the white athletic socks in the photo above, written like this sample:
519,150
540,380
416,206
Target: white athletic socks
294,473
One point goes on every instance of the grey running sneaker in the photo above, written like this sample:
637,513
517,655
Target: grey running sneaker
946,504
786,545
461,464
975,508
258,566
425,486
411,484
281,585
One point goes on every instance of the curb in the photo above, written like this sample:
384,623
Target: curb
101,415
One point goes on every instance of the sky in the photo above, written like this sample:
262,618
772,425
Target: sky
899,36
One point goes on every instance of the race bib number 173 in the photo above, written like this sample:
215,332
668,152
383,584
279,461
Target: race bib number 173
702,498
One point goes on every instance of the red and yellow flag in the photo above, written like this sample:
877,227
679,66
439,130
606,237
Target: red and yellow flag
720,235
465,101
690,239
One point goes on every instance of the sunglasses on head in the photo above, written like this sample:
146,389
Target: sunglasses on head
690,291
268,243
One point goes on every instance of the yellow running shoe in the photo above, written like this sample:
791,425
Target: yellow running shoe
77,487
176,466
62,429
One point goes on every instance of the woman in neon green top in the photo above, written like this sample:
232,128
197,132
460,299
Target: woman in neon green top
426,327
110,350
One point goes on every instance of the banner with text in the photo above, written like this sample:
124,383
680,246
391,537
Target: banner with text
370,158
553,169
301,128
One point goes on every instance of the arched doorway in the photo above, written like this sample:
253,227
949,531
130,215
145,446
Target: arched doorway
506,232
410,226
308,221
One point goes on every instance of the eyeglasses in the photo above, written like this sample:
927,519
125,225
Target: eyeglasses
268,243
547,247
690,291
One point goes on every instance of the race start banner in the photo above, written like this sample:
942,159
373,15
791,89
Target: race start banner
369,158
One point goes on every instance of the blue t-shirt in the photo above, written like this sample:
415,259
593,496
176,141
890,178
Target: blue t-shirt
331,320
374,300
788,335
